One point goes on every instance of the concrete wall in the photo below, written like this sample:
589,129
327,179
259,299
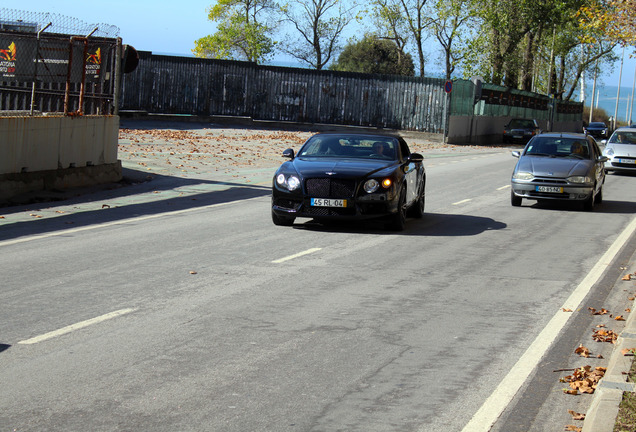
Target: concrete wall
57,152
482,130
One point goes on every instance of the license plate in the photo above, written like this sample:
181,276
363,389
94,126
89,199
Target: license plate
627,161
325,202
518,136
551,189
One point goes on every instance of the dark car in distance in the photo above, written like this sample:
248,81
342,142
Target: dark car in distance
559,166
597,130
520,130
349,176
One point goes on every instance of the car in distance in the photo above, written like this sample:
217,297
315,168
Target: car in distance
559,166
520,130
620,150
597,130
350,176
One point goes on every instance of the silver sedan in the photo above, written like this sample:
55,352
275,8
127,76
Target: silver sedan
559,166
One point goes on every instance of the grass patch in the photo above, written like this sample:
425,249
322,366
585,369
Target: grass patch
626,418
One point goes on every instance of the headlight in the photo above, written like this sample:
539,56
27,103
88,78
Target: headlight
609,151
371,186
523,176
579,179
291,182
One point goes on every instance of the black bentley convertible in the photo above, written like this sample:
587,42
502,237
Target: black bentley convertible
350,176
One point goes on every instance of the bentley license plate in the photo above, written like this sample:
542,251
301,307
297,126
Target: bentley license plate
326,202
550,189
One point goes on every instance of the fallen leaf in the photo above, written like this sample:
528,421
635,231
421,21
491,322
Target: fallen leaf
566,310
619,318
628,351
576,416
105,206
193,272
582,351
573,428
627,277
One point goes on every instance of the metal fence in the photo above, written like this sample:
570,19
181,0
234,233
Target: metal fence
186,85
497,101
52,63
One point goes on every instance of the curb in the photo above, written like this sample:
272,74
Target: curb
603,410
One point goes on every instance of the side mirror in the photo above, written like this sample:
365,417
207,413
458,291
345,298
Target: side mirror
602,159
416,157
516,153
289,153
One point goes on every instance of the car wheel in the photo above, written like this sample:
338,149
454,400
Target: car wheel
588,204
417,210
514,199
281,220
398,220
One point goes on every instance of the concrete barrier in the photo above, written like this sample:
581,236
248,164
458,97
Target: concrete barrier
57,152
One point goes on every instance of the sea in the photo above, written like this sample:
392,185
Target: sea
605,98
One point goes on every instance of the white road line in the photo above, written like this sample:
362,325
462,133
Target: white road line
490,411
462,202
299,254
79,325
503,187
117,222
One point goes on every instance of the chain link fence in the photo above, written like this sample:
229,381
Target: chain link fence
51,63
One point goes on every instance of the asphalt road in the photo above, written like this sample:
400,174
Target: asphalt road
176,304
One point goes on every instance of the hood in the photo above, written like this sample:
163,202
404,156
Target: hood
347,168
623,149
542,166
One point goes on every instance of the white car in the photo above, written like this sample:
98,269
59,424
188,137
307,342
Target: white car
621,150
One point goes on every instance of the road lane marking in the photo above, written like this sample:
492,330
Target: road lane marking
497,402
299,254
462,201
503,187
77,326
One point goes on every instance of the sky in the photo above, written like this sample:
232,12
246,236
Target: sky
172,27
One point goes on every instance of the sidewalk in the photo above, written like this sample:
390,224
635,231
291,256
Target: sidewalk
601,415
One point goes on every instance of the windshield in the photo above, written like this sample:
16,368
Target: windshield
522,124
359,147
623,137
559,147
597,125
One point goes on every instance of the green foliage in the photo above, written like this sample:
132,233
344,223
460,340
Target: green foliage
373,55
239,35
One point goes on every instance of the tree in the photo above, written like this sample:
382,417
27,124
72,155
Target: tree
320,24
242,31
374,55
452,29
405,14
390,24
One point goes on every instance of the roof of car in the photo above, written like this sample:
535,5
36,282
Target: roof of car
360,134
562,135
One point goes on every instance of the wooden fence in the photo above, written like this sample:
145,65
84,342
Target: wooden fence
186,85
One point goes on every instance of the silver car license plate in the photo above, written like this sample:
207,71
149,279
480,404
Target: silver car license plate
326,202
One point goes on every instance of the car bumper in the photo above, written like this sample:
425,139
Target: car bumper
366,207
618,163
568,193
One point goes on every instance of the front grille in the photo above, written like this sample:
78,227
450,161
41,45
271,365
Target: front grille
543,181
287,204
330,211
625,165
330,188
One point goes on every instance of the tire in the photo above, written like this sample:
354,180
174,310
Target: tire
588,204
515,200
398,220
282,221
417,210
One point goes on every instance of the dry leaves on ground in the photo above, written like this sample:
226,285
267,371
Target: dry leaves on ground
583,380
602,335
